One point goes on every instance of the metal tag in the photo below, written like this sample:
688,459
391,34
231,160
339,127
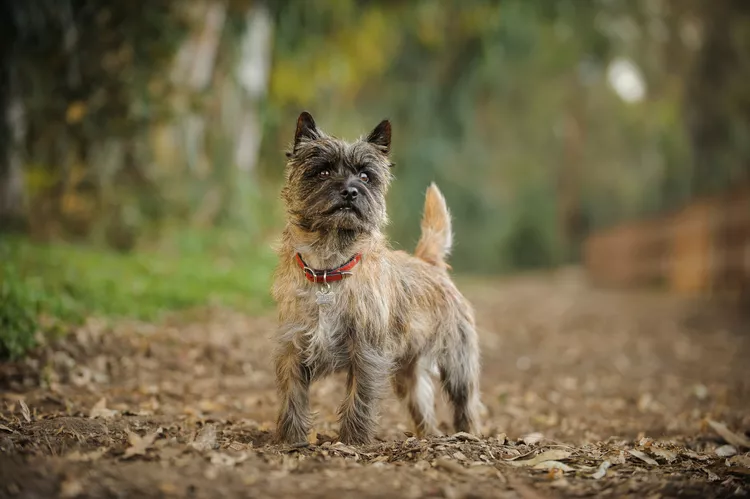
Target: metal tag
324,297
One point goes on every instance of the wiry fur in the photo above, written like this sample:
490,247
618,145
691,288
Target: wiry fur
392,319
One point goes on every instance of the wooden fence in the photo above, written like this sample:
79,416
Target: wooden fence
701,249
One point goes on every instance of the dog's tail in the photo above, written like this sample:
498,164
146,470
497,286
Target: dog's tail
437,236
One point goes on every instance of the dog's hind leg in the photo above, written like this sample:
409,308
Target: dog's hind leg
458,362
412,383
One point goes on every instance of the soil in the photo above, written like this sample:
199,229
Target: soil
588,393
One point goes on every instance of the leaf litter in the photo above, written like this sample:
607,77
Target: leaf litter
601,472
729,436
197,394
139,445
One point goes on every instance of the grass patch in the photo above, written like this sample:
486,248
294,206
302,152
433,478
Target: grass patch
66,282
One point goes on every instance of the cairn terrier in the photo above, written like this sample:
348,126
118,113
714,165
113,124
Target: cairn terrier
346,301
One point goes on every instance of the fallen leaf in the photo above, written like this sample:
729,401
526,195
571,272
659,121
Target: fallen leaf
71,487
560,483
695,455
552,465
168,488
206,439
665,454
459,456
344,449
138,444
712,477
5,428
601,472
618,458
450,465
524,491
87,456
532,438
643,457
222,459
728,435
100,410
25,411
726,451
740,461
462,435
700,391
550,455
422,465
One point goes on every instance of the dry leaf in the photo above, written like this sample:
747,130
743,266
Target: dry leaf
139,445
695,455
25,411
344,449
86,457
221,459
700,391
450,465
726,451
71,487
728,435
462,435
206,439
665,454
422,465
532,438
643,457
712,477
560,483
601,472
459,456
553,465
550,455
740,461
100,410
5,428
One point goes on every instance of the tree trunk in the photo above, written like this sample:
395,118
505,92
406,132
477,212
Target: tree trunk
713,107
12,131
253,71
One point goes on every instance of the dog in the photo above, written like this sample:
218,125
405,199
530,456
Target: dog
347,302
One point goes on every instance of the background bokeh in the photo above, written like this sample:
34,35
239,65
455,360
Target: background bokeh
151,134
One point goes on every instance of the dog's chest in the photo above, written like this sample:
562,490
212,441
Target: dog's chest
330,323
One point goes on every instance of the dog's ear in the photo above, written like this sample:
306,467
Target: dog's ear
381,137
306,128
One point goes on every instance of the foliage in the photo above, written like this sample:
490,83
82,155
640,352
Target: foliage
44,287
506,105
502,103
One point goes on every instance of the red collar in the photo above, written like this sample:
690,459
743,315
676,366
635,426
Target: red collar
329,275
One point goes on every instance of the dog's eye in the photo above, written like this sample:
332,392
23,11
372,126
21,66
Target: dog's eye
364,177
324,174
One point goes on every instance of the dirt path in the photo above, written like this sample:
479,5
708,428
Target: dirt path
185,409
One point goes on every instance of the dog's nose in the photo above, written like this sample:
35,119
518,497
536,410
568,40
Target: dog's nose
350,193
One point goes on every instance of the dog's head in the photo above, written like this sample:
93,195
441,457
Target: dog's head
335,185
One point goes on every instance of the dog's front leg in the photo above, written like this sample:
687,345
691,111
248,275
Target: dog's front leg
368,374
293,380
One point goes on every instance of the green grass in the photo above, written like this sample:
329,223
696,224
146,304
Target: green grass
65,283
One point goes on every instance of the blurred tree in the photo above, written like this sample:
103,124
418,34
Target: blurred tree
132,117
718,97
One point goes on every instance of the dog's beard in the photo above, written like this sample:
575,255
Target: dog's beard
326,215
